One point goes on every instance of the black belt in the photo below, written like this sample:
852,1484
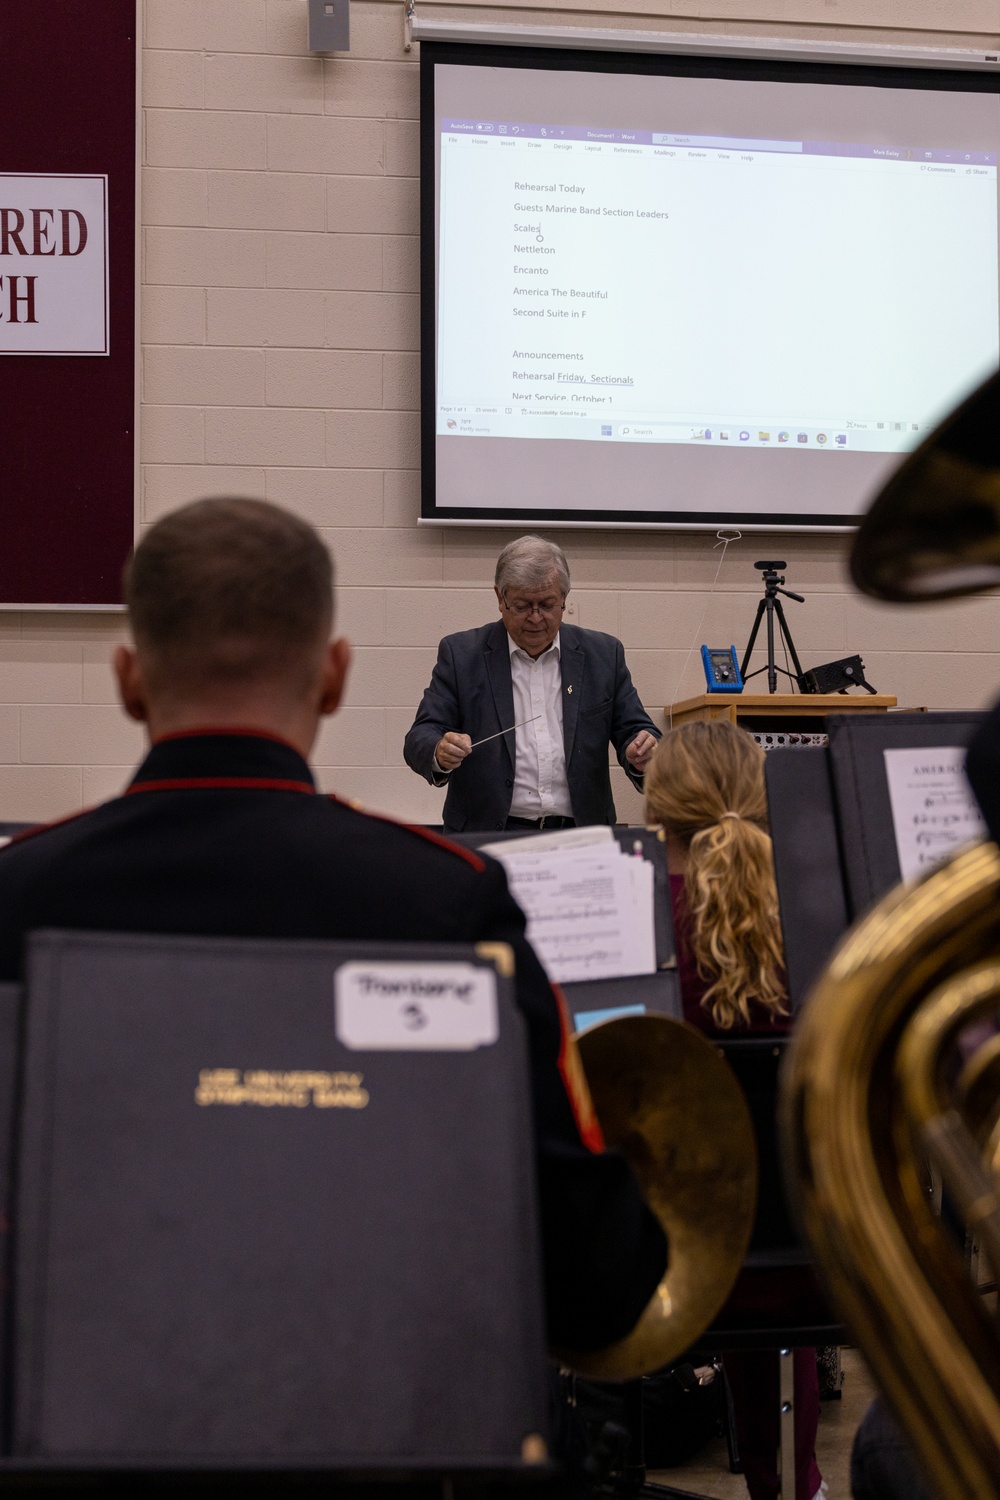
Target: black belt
550,820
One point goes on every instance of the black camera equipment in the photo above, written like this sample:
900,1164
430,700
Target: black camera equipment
836,676
770,606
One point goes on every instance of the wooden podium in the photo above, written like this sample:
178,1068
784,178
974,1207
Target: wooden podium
802,713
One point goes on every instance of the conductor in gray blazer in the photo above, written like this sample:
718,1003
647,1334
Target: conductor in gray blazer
567,691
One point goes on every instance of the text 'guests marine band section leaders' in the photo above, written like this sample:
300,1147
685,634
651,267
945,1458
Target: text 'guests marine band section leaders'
579,240
678,296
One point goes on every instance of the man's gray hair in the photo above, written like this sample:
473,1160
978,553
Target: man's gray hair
529,562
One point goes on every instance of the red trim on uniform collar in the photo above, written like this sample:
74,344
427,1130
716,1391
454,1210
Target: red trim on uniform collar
216,783
246,734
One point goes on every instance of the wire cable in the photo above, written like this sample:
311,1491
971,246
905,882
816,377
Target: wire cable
724,538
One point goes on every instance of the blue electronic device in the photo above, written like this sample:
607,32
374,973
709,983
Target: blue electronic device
722,669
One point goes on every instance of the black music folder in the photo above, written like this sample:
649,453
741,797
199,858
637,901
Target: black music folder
777,1300
276,1209
861,790
830,816
11,1005
807,863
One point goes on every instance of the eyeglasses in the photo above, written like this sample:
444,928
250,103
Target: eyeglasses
522,608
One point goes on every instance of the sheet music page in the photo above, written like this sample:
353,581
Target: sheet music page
641,875
933,809
589,909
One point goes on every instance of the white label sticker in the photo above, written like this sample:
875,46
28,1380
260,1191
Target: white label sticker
415,1007
53,264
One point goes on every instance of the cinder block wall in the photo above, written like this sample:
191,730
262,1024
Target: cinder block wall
279,358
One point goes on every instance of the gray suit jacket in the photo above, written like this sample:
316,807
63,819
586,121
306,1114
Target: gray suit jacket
471,693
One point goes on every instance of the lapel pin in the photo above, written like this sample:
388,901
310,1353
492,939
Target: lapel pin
570,688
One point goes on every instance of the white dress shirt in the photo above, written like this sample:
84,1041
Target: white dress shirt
540,784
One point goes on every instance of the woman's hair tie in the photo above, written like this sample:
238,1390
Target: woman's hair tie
731,815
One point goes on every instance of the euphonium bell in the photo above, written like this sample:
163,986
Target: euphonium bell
670,1103
934,531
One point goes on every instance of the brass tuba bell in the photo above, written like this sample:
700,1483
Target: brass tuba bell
888,1086
874,1090
934,531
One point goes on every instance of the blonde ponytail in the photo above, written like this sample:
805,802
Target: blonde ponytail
706,785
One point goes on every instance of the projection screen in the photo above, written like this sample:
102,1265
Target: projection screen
691,291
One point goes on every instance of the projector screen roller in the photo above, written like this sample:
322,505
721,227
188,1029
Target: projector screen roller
690,291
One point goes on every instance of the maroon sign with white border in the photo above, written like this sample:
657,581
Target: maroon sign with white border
68,156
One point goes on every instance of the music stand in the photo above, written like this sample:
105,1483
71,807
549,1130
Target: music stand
808,871
861,790
602,999
831,826
776,1248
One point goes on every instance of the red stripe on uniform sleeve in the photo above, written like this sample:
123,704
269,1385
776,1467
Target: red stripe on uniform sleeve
575,1080
468,855
471,858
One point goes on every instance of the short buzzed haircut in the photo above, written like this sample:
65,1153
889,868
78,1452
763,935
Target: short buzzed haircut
229,589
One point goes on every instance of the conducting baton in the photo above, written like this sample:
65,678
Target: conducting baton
503,731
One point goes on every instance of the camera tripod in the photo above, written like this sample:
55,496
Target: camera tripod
771,606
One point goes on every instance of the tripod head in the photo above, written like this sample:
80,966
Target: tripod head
773,578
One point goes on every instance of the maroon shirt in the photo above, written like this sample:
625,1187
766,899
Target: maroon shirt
763,1022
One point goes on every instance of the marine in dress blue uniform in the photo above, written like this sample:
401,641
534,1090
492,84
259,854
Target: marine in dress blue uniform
222,833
